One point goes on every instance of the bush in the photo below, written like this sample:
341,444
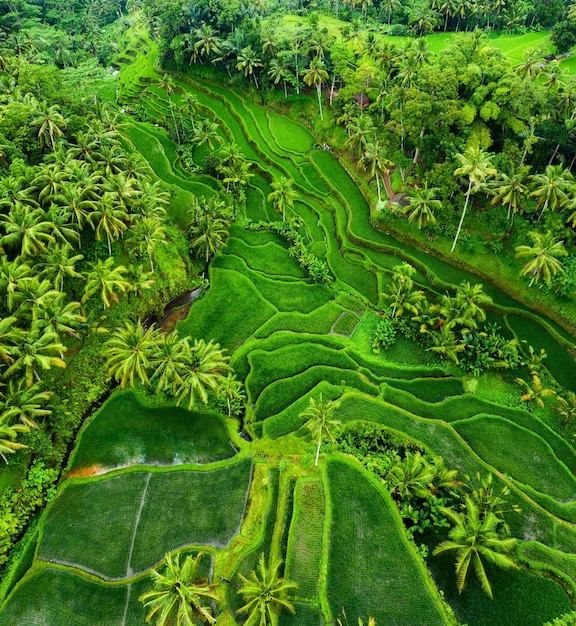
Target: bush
384,335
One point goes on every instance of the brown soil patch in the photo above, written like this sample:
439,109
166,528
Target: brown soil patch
91,470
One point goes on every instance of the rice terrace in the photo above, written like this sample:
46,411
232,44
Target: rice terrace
288,328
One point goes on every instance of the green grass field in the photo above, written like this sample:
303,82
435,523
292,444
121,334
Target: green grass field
123,525
366,531
127,432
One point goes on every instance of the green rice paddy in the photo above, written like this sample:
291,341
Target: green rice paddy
168,479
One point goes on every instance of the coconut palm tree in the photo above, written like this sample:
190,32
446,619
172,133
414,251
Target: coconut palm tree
476,540
205,366
402,295
179,596
10,338
167,84
24,404
109,219
360,132
248,63
318,421
550,187
374,161
316,75
103,277
265,593
541,257
422,205
168,364
207,43
411,476
8,434
145,235
130,352
208,235
49,124
283,195
206,132
475,164
535,391
509,190
40,349
27,231
62,317
469,301
566,406
56,264
447,344
233,390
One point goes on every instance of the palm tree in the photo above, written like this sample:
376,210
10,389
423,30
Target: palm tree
208,235
535,392
411,476
49,123
130,351
509,190
168,85
107,279
8,434
265,593
283,195
318,421
447,344
24,404
168,363
279,70
204,367
470,301
316,76
28,230
207,42
146,234
542,257
57,264
377,164
179,595
360,132
422,205
109,219
566,406
475,164
40,348
206,132
10,338
62,317
550,187
248,62
476,540
402,295
232,389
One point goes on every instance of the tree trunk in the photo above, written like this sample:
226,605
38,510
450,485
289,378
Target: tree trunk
318,90
462,216
318,451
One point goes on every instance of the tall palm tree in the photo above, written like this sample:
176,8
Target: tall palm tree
207,42
103,277
476,541
248,63
509,190
283,195
57,264
49,124
475,164
541,257
10,338
206,132
208,235
377,165
109,219
146,234
27,230
24,404
422,204
402,295
550,187
40,349
179,596
470,301
318,421
279,70
62,317
8,434
167,84
168,364
130,351
265,593
316,75
205,365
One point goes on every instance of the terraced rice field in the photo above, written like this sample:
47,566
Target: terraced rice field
336,528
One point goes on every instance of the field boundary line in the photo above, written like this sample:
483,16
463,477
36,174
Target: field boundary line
137,523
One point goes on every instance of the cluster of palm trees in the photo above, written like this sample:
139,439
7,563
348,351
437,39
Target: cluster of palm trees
84,186
167,363
449,324
181,597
